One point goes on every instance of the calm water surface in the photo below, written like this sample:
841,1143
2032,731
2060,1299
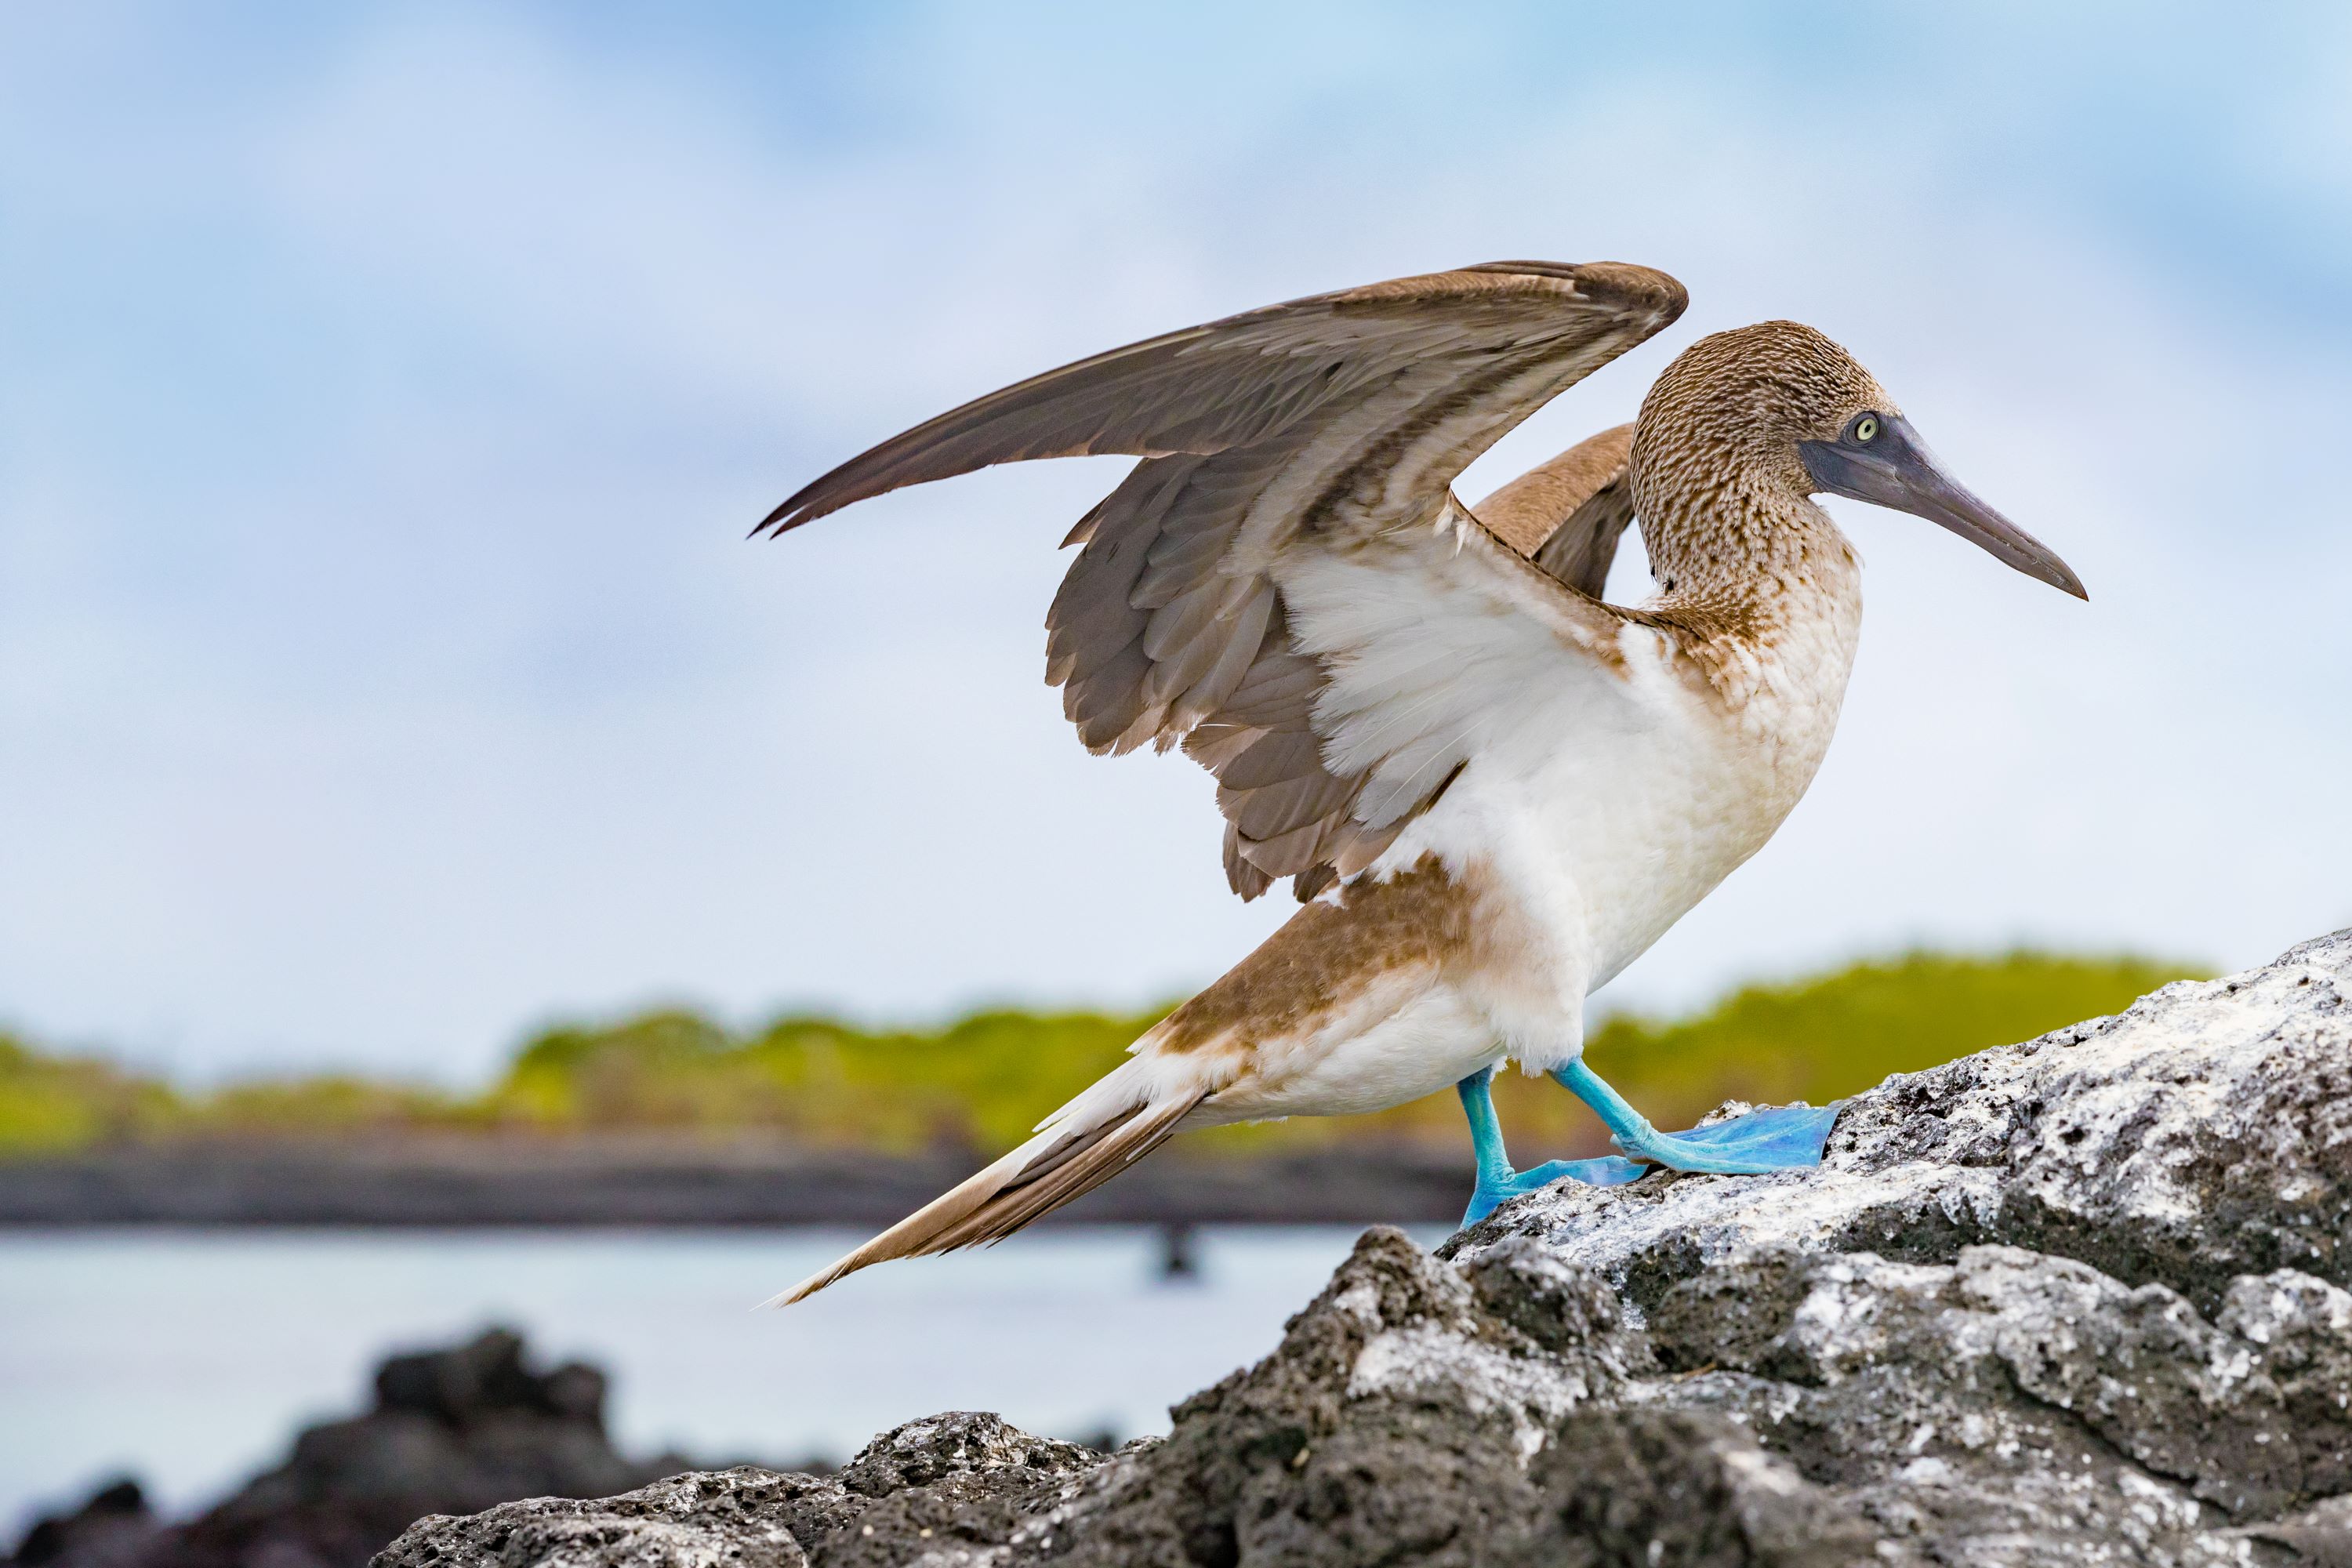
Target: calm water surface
188,1358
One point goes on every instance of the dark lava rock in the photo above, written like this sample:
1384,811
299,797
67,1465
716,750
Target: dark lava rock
1406,1420
115,1529
949,1490
453,1431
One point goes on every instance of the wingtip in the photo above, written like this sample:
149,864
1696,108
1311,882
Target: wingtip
779,522
799,1292
1633,284
803,505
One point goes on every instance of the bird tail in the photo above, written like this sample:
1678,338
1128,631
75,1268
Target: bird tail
1124,1116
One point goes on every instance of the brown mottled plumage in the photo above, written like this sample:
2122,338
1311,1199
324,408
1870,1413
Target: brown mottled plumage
1421,914
1496,789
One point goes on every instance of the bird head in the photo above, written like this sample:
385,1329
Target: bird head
1779,406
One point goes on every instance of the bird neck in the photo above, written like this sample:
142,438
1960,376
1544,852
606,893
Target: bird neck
1754,553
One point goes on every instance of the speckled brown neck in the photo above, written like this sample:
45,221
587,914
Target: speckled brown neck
1761,557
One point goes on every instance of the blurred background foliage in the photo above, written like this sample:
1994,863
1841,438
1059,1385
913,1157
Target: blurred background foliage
980,1083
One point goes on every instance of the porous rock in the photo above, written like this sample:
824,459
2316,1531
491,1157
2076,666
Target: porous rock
942,1491
2201,1135
2078,1300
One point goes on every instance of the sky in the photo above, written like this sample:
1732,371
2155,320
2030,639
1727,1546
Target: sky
386,393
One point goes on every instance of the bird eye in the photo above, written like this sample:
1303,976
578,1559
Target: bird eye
1865,429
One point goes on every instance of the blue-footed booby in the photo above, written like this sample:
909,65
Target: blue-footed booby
1491,791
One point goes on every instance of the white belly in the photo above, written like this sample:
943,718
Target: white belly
1414,1039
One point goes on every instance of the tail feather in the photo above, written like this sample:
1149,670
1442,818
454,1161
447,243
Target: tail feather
1080,1148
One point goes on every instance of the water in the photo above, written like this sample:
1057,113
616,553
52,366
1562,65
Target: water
189,1358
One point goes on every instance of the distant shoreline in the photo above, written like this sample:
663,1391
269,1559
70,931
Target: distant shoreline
462,1184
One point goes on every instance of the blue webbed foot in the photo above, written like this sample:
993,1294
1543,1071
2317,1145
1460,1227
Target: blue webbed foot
1497,1188
1497,1183
1779,1138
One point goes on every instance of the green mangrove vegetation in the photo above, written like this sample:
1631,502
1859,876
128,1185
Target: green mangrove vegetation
979,1083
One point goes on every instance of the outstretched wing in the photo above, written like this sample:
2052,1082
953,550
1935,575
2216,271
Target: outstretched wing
1286,583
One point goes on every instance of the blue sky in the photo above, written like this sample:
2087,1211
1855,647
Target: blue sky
385,393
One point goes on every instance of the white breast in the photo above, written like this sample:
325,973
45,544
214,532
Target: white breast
1619,802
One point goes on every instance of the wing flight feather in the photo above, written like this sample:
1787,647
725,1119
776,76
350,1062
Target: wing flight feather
1566,515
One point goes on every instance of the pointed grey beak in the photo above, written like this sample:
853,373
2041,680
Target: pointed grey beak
1896,469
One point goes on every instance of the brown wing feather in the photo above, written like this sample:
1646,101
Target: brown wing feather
1566,515
1250,377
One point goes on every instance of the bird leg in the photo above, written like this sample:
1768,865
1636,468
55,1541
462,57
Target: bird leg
1497,1181
1777,1138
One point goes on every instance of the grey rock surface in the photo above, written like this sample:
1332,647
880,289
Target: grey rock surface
2203,1135
2079,1300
